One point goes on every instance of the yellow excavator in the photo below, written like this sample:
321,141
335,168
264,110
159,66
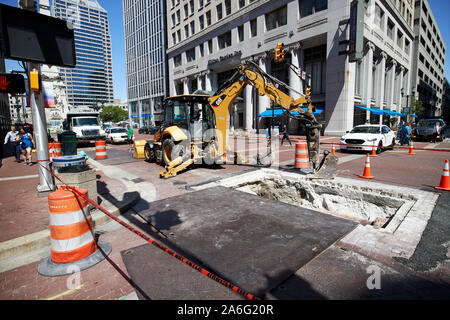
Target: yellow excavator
195,128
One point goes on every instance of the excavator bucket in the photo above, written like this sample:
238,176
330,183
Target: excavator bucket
174,167
327,168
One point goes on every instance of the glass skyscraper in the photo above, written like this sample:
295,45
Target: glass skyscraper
91,81
145,51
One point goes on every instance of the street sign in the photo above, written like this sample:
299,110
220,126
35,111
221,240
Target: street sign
12,83
29,36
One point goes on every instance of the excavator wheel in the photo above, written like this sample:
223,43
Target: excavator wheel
167,147
149,154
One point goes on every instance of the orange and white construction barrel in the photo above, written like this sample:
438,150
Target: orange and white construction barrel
100,149
301,155
54,150
73,244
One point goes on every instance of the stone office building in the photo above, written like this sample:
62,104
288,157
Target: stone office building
207,40
428,60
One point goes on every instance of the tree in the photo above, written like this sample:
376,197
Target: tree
417,107
113,114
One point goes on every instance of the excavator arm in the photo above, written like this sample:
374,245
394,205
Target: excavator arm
250,74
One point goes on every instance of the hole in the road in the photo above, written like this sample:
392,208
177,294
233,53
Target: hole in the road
367,206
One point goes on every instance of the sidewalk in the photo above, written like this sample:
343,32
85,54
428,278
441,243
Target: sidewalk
24,217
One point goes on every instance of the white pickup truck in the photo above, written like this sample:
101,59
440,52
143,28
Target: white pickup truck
86,125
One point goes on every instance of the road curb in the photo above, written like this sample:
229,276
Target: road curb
38,240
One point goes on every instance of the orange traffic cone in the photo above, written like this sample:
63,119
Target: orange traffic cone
411,148
374,150
333,150
445,179
366,174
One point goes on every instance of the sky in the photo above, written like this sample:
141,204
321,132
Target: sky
440,9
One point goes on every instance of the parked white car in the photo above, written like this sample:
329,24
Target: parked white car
362,138
116,134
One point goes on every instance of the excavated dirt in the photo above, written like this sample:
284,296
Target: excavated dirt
348,202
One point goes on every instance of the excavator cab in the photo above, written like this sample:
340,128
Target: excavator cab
187,130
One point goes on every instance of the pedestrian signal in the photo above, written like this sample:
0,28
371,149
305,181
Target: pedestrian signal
12,83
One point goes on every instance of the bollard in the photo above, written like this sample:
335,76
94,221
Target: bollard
100,149
301,155
73,244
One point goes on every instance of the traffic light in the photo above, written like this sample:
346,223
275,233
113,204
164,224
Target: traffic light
12,83
308,91
279,52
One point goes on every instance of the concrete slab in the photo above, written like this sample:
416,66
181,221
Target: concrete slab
339,274
252,242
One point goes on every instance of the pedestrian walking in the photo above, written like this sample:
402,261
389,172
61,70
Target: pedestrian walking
26,145
285,135
10,138
437,132
405,135
130,137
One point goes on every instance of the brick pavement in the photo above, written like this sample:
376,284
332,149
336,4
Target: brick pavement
105,282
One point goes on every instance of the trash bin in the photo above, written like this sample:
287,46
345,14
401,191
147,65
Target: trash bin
68,141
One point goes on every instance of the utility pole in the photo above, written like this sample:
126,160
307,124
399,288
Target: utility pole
46,183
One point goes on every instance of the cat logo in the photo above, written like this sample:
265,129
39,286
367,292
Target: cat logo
218,101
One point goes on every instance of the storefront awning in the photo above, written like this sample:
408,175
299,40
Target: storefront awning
380,112
278,112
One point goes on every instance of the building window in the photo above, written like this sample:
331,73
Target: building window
253,28
379,16
224,40
400,39
200,3
201,22
177,60
320,5
390,29
315,65
208,18
191,4
202,50
210,46
308,7
241,33
241,3
276,18
228,7
192,27
219,12
186,11
190,55
186,31
407,46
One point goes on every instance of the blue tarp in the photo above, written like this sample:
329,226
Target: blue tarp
278,112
